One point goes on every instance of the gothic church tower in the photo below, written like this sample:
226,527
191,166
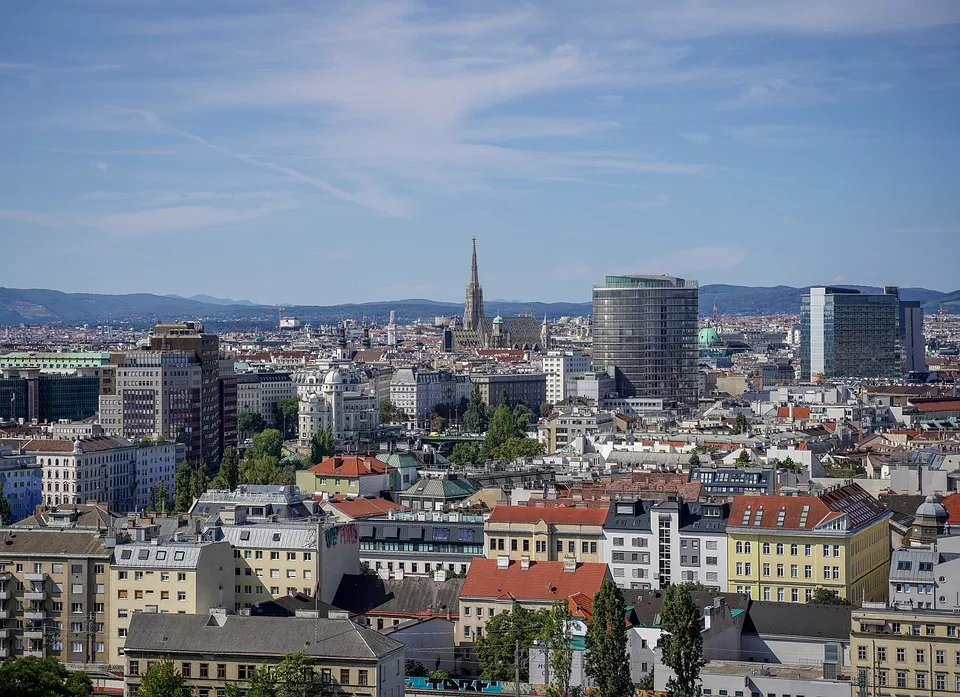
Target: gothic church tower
473,304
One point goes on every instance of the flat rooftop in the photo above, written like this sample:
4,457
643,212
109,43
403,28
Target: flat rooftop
772,670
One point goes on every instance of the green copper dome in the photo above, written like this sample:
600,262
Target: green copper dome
708,337
498,320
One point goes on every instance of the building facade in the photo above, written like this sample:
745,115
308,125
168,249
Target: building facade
258,392
559,366
782,548
545,534
419,392
846,333
22,480
339,402
525,388
645,329
419,544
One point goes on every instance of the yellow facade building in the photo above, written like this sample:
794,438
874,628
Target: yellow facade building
782,548
545,534
904,653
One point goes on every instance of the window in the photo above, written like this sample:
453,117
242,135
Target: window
361,677
746,547
794,550
274,556
181,596
780,595
861,653
122,594
794,571
134,667
808,570
344,676
882,678
739,547
245,671
808,550
940,681
76,608
185,670
766,569
526,545
766,548
779,570
76,646
951,631
766,592
921,656
204,670
513,545
178,555
921,680
466,610
221,671
901,678
940,657
881,653
711,561
901,655
779,548
931,630
795,594
479,611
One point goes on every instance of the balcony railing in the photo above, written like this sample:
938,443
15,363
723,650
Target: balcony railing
35,595
36,578
34,615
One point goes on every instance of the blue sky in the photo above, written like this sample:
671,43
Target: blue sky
321,152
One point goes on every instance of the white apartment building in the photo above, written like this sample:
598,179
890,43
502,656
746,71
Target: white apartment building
649,544
106,469
559,367
257,393
338,402
418,392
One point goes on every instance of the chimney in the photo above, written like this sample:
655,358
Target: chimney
503,561
440,575
525,562
569,563
398,574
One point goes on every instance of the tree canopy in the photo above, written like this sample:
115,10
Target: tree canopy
286,409
292,677
163,680
560,652
41,677
250,423
183,487
682,641
506,434
229,475
825,596
321,445
606,653
390,413
496,648
267,442
6,513
475,417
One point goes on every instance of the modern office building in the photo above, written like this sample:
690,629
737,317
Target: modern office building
22,480
32,394
913,343
158,393
847,334
190,336
645,329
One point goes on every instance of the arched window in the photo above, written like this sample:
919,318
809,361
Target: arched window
739,548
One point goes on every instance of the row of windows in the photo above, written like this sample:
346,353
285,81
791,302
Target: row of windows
780,548
939,655
55,568
902,677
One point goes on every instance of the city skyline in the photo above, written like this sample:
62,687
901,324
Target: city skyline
356,151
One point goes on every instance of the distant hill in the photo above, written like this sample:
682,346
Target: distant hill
39,306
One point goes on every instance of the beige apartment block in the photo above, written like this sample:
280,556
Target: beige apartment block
54,594
172,578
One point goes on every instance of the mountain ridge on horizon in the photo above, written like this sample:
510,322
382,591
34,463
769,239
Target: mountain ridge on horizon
43,306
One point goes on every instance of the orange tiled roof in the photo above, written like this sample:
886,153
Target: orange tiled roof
952,504
555,515
934,405
364,508
798,412
350,466
544,580
818,512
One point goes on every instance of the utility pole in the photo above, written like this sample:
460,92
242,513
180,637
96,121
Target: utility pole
516,667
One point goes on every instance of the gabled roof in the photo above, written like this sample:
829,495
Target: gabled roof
952,504
556,515
820,622
172,634
798,412
441,488
411,596
542,581
772,512
646,604
350,466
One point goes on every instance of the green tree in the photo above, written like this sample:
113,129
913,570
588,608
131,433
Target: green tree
825,596
522,415
391,414
606,653
437,422
321,445
163,680
6,514
741,425
231,690
183,488
267,442
557,635
791,466
546,409
229,475
466,454
292,677
199,481
249,423
475,417
496,649
694,460
415,669
161,498
502,427
287,409
41,677
646,682
682,641
260,469
743,459
519,447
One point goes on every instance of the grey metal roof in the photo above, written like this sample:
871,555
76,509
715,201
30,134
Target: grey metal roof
905,565
361,593
51,541
271,536
830,622
254,636
441,488
163,556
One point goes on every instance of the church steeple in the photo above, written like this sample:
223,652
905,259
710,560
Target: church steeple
544,334
473,303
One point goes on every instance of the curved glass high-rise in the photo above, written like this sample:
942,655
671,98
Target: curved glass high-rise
646,328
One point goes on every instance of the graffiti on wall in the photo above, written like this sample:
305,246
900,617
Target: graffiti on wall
454,684
341,535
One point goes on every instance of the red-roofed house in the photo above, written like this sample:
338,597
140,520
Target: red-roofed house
952,504
495,585
363,475
793,413
782,548
545,534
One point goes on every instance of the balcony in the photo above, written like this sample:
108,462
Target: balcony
34,615
33,654
5,576
4,614
33,633
35,595
36,578
5,652
4,595
4,633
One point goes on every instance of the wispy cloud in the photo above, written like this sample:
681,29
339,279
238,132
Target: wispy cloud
102,166
149,222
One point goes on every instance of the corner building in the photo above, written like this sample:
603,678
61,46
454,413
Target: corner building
645,327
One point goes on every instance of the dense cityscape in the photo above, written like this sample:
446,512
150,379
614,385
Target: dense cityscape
461,503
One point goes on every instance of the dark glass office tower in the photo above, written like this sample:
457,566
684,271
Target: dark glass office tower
645,327
848,334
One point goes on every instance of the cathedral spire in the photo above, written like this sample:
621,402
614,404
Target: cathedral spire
473,303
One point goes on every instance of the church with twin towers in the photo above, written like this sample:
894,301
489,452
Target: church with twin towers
477,331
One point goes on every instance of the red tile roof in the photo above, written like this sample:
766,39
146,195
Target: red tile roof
364,508
851,500
350,466
952,504
544,580
555,515
798,412
928,406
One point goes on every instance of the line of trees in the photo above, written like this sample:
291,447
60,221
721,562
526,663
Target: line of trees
510,635
505,432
